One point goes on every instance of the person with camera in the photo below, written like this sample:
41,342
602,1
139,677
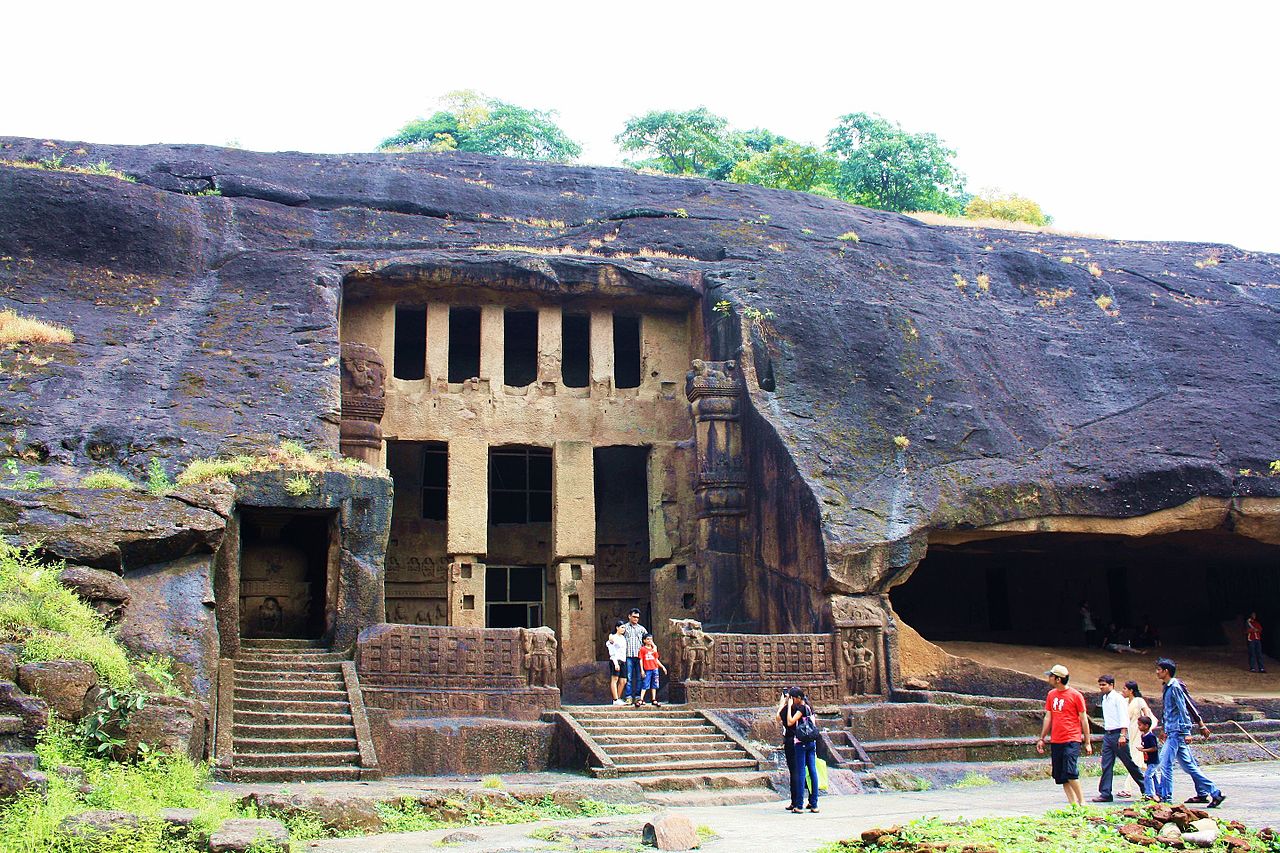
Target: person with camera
802,736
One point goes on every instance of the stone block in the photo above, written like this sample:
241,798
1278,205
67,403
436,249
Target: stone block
239,834
412,745
170,612
671,832
15,778
89,824
64,684
104,591
170,723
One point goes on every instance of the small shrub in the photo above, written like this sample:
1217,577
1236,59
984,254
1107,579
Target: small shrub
158,482
1095,270
1274,467
681,213
723,307
15,329
959,280
493,782
298,485
1103,302
294,449
106,480
848,237
1010,207
901,442
205,470
984,282
973,779
25,481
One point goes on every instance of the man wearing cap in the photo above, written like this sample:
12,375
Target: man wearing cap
1066,725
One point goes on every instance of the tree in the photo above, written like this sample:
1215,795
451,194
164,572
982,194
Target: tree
789,166
993,204
473,122
693,142
881,165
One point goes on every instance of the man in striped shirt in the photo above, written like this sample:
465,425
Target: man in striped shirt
633,632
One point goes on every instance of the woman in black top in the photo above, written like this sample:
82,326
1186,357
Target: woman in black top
788,740
806,754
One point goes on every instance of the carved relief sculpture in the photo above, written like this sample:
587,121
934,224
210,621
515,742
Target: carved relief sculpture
695,652
860,663
539,656
364,376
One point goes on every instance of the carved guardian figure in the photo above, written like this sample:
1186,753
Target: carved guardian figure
364,376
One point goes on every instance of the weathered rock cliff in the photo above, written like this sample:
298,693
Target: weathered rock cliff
1032,375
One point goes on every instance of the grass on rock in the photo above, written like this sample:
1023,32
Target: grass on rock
15,329
287,456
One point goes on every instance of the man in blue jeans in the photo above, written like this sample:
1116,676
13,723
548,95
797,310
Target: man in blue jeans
633,632
1179,711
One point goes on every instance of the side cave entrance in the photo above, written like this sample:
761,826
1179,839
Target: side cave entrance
286,567
519,536
1187,588
622,538
416,559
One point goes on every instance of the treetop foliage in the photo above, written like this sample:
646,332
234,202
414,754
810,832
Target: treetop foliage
881,165
473,122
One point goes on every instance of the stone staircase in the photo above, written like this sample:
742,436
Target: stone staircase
293,719
648,741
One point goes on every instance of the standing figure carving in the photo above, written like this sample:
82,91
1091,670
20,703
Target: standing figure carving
696,653
540,646
859,663
364,376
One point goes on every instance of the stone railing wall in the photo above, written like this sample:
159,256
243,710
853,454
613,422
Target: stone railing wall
452,671
748,670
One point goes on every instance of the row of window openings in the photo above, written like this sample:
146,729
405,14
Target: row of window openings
520,347
519,484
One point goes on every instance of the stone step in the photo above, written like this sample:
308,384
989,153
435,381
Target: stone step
684,767
291,707
282,746
640,738
932,750
317,656
640,718
666,753
325,692
295,774
289,666
273,718
335,758
291,731
654,731
10,725
611,711
282,644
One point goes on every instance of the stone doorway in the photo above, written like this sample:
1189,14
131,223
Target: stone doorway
285,559
622,538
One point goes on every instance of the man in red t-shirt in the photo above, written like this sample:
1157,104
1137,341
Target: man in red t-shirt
1066,725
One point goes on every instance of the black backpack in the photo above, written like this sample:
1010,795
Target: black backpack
807,729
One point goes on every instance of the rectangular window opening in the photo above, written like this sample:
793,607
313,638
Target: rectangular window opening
520,348
410,357
464,344
626,351
435,481
575,335
519,485
513,596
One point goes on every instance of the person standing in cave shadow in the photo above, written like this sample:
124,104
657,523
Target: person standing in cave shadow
1087,626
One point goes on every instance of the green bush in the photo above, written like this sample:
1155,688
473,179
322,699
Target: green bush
1009,207
158,482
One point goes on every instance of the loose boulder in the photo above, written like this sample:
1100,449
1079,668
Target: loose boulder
239,834
33,711
98,822
64,684
341,812
671,832
169,723
104,591
15,778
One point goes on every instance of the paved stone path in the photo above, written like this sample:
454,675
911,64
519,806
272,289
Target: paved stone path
1253,796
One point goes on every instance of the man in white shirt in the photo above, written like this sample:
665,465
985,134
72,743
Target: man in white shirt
1115,737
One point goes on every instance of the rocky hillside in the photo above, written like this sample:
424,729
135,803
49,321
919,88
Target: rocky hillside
919,376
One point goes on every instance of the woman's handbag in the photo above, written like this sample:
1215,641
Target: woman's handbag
806,730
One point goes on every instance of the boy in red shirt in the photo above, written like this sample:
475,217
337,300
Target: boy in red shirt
649,666
1066,725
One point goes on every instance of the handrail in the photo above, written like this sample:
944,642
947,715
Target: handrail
360,719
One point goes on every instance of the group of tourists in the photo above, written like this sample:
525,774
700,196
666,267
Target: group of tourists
1129,735
634,663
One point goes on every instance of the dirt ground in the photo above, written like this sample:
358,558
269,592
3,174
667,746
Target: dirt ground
1206,670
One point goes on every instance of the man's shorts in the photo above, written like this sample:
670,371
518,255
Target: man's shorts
650,681
618,668
1066,761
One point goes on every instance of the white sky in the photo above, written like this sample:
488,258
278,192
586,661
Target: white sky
1134,120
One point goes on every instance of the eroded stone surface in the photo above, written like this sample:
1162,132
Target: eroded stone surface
239,834
64,684
671,832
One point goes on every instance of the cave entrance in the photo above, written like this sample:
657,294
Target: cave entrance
622,537
1192,587
285,561
519,536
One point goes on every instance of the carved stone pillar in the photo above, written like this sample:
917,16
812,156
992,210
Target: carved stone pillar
364,376
714,389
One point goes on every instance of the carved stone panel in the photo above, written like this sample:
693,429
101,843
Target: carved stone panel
364,376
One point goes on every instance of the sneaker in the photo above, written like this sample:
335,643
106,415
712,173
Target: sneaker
1198,799
1100,799
619,701
813,809
1216,800
1125,795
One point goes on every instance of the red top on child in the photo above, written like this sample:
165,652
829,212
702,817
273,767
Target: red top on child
1065,705
648,658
